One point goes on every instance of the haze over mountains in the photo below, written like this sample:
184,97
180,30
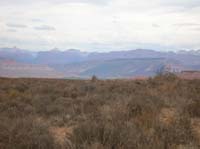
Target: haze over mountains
16,62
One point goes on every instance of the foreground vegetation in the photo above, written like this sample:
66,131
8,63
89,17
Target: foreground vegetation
158,113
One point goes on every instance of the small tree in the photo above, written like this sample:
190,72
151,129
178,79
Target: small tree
94,78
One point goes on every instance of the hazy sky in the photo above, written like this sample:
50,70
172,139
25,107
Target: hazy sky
100,24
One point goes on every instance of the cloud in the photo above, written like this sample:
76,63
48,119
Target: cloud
37,20
28,2
12,30
15,25
196,29
24,43
45,27
187,24
107,22
181,3
155,25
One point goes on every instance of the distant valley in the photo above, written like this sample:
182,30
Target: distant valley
71,63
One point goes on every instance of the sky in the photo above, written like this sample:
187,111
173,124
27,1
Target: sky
100,25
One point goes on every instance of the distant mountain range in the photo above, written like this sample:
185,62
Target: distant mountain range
16,62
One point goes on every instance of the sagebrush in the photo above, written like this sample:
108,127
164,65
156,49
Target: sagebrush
157,113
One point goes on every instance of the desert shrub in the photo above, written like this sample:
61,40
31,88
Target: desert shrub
13,93
22,87
103,114
54,109
87,88
193,108
166,77
24,133
178,133
71,91
15,108
107,134
134,110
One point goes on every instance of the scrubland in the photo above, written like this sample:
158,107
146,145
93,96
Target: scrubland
157,113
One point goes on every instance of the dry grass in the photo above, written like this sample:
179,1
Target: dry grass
156,113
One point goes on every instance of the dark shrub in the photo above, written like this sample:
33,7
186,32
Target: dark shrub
193,108
23,134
